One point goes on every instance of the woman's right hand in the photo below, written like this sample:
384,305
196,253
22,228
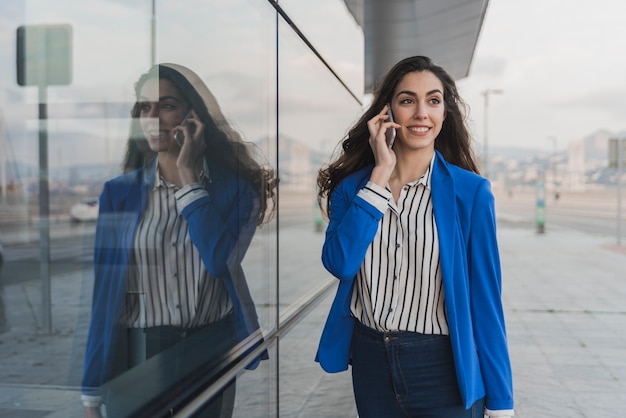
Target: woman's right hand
384,156
191,157
92,412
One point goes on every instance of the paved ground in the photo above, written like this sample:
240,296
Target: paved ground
565,302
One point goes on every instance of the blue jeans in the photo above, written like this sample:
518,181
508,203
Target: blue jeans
406,374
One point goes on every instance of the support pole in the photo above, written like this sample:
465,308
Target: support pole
620,166
44,212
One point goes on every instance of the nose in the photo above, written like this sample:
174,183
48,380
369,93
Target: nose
420,112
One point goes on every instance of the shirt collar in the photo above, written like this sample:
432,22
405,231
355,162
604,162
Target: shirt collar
159,181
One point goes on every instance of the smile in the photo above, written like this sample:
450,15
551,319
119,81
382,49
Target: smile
419,129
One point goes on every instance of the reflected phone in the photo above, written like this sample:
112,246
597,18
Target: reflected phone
179,137
390,133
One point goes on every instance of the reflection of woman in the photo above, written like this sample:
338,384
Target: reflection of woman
171,235
412,239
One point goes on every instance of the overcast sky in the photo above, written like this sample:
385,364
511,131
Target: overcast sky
561,66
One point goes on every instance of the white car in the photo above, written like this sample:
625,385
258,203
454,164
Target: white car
85,211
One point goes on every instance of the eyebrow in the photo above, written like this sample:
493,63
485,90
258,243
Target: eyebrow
413,94
162,98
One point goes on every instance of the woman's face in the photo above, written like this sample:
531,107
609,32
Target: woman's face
418,107
161,108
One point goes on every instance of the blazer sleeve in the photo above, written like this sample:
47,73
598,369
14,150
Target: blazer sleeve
222,224
352,226
106,240
486,301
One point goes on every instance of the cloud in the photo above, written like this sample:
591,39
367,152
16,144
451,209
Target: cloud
489,67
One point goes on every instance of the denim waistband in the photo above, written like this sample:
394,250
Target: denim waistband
396,336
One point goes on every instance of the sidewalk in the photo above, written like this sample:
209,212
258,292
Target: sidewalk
565,300
565,304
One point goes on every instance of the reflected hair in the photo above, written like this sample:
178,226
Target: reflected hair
226,150
454,140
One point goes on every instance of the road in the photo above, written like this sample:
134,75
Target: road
592,212
71,247
72,250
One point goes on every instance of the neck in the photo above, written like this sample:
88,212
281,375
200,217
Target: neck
412,166
168,169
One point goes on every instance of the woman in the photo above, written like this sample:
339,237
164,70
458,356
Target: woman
170,238
412,238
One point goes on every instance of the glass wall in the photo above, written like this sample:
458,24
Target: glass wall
155,273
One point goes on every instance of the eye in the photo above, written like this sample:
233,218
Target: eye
144,107
406,101
435,100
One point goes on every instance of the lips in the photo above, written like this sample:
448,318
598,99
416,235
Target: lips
154,133
418,129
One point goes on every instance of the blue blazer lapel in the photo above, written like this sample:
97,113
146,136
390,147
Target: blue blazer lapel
445,211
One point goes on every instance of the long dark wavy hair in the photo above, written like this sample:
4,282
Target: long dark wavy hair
225,149
454,140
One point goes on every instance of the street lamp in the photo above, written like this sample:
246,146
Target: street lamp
485,94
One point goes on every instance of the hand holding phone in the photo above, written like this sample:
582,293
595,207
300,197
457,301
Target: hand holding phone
179,136
390,133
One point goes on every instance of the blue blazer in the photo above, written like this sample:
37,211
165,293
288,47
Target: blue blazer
464,213
221,227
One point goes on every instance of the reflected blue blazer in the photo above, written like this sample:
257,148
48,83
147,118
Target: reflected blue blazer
221,227
464,213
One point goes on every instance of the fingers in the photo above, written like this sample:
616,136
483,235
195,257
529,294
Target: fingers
382,131
194,128
191,131
192,149
379,125
374,125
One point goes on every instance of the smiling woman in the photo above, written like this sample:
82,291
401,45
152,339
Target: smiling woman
412,239
171,301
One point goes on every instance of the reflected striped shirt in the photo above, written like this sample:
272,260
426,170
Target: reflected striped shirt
169,284
399,285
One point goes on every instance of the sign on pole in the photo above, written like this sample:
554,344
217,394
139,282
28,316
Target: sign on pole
44,55
44,58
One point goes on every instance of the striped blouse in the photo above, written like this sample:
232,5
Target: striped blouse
399,285
169,284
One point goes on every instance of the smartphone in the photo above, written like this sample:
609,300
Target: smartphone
390,133
179,137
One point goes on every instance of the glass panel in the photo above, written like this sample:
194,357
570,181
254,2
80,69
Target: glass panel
326,394
231,48
331,28
314,113
256,390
